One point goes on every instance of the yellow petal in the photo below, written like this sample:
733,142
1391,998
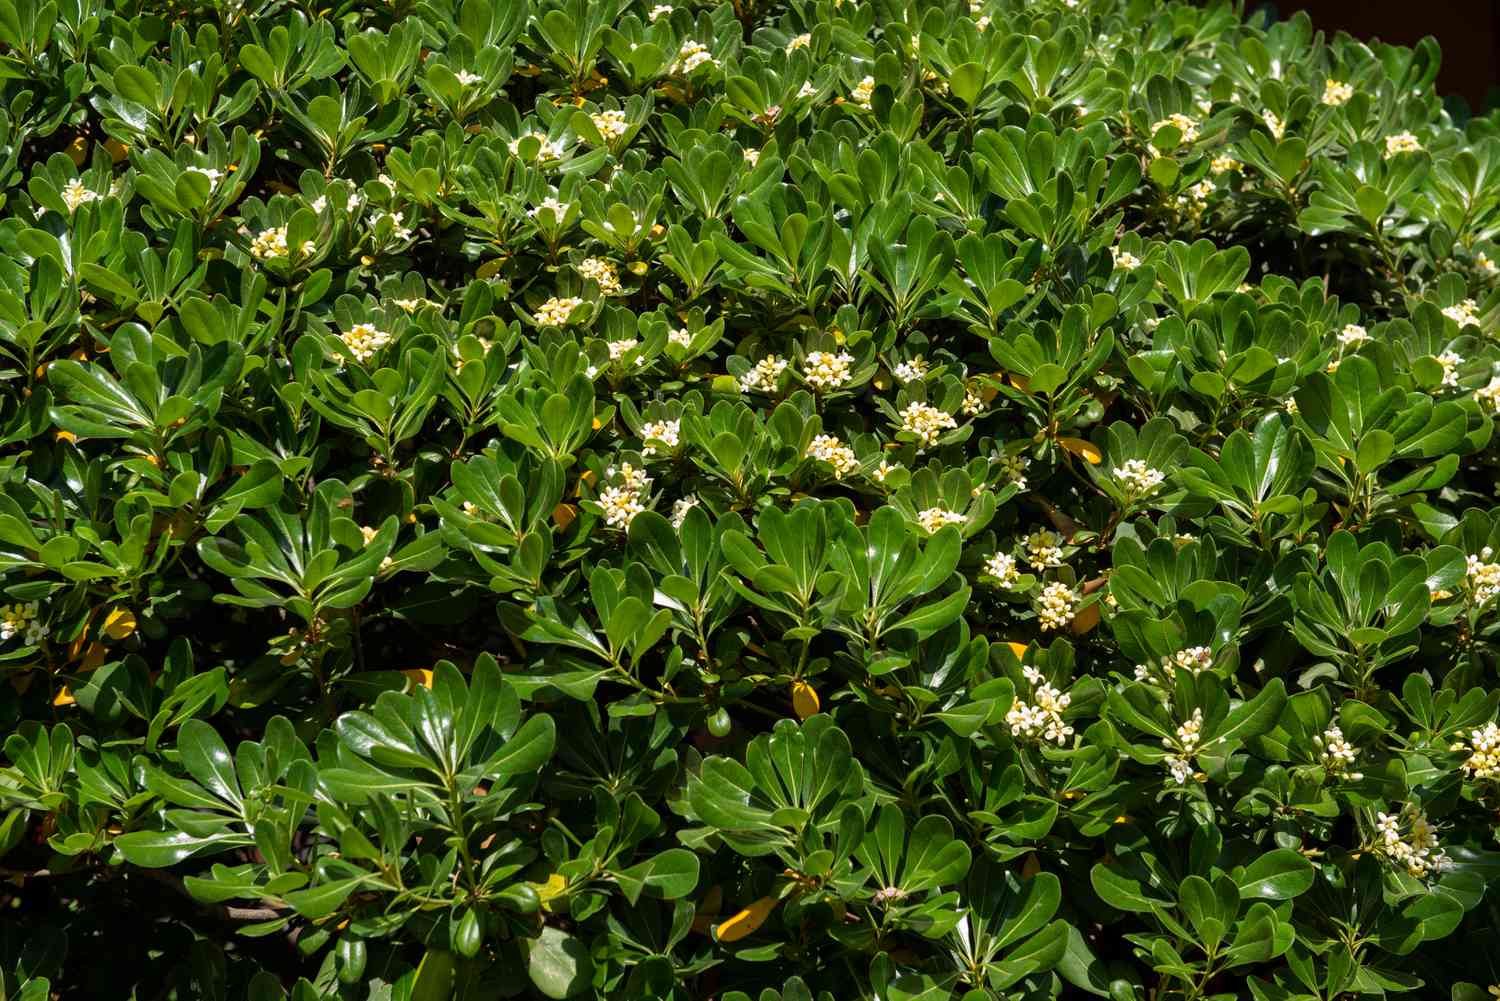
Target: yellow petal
119,623
1082,448
419,676
747,921
804,700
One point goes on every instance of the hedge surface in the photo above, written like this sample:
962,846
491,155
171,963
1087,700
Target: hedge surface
817,499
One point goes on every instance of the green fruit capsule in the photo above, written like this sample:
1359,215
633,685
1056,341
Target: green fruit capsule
719,723
351,955
468,934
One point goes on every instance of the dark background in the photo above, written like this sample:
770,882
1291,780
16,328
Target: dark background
1467,30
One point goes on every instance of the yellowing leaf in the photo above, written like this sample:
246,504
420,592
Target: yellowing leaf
119,624
78,151
67,436
747,921
551,892
1084,449
419,676
64,697
1086,620
490,268
638,268
1031,867
1020,382
804,700
564,515
116,149
1019,649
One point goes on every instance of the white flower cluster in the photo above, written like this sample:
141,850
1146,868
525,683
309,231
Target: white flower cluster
611,124
619,349
75,194
1464,313
21,620
1194,200
862,93
1056,607
926,422
1482,576
669,433
1194,660
1417,850
1140,479
1224,165
1450,362
762,378
1484,752
398,231
680,509
1002,566
826,370
269,243
1489,395
935,518
1182,123
623,502
659,11
1336,92
1353,335
1013,468
602,273
1042,549
1336,754
1401,142
911,370
1189,735
557,208
972,404
555,312
1124,259
363,340
1042,717
680,337
1274,124
1482,260
828,448
467,79
690,57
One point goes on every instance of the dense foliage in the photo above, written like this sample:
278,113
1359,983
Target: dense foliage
819,499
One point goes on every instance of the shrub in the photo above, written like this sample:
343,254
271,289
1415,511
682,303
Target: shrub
842,498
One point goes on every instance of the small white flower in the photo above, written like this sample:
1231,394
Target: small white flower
75,194
1483,262
269,243
1124,259
611,124
555,312
1336,753
659,11
1140,480
935,518
826,370
926,422
557,208
364,340
680,337
801,41
21,619
828,448
911,370
1056,606
1336,92
213,176
1401,142
666,432
1353,335
863,92
886,468
752,157
680,509
1484,753
762,378
1002,567
1463,313
1185,125
1042,549
467,79
689,57
1274,124
1450,362
1489,396
619,349
603,273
